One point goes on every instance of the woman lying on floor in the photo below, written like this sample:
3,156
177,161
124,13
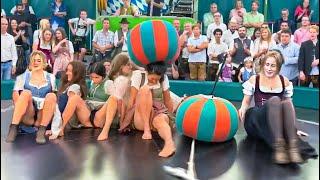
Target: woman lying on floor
35,100
273,117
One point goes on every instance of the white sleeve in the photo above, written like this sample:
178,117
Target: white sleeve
165,83
109,87
288,91
13,10
210,49
35,35
31,10
121,84
73,20
71,49
136,79
74,88
242,70
91,21
53,82
95,37
19,83
248,88
189,42
116,39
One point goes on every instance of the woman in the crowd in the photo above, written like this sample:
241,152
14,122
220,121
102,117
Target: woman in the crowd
21,44
63,51
33,97
272,119
150,97
303,9
71,97
238,12
43,24
256,34
119,89
58,14
45,44
261,46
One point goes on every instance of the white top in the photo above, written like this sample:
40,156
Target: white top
8,49
14,10
36,35
214,48
198,56
43,46
81,31
213,26
249,88
116,40
137,76
264,45
228,37
119,88
102,38
3,13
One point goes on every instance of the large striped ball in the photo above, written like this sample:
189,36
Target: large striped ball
153,41
207,119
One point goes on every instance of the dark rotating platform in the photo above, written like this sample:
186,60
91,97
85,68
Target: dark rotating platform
78,156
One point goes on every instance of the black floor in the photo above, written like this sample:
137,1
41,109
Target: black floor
79,156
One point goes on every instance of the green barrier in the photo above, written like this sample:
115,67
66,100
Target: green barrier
303,97
114,21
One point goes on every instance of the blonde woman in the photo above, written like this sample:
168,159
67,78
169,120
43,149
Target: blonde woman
238,12
43,24
33,95
45,44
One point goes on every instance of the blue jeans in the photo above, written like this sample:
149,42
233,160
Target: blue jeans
6,69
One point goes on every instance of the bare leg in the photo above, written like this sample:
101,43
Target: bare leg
143,108
112,104
161,123
82,54
100,116
21,106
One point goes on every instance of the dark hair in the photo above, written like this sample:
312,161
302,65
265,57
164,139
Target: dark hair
217,30
83,10
255,1
105,19
99,69
158,68
64,35
284,22
196,25
117,63
79,77
301,4
19,4
253,37
286,31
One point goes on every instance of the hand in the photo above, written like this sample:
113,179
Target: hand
242,112
13,70
73,31
302,77
22,32
315,63
65,40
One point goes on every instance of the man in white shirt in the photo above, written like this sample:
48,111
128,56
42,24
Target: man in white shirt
215,48
9,55
215,25
232,33
80,28
120,37
197,45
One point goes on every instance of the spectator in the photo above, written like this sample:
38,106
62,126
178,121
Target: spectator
284,26
43,24
103,42
24,21
227,70
45,44
309,59
290,52
256,34
59,13
107,66
63,51
3,13
80,28
247,71
232,33
262,46
120,37
238,12
240,49
302,10
154,7
26,8
253,19
284,18
302,34
208,17
127,9
8,52
176,24
21,45
197,45
183,65
215,48
217,24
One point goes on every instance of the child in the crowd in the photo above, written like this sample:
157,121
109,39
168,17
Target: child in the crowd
227,70
247,71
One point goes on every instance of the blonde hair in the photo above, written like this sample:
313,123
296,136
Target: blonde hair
42,24
52,42
272,54
42,57
315,27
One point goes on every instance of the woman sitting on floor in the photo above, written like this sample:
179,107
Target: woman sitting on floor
272,119
36,98
150,98
119,88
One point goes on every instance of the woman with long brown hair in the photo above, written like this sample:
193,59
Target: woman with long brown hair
45,44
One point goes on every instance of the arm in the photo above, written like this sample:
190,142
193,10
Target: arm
239,76
167,100
294,59
133,95
35,45
193,49
301,59
70,23
244,106
203,45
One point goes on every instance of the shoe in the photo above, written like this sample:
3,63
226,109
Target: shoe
280,155
294,154
13,132
40,138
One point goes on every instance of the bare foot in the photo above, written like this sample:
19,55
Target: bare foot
102,137
48,132
147,135
168,149
61,133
